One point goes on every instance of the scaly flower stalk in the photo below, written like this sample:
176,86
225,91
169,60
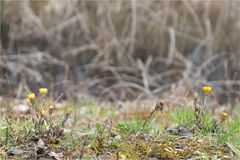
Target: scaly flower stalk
207,90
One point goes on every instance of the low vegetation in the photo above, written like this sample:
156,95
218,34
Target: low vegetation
90,130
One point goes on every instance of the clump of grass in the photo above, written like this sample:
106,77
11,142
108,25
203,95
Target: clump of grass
42,117
182,115
3,132
225,130
40,123
231,133
203,120
88,157
69,140
132,126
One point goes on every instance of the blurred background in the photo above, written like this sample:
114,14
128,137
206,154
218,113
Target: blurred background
121,50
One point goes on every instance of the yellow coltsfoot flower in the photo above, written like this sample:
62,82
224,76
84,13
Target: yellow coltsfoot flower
31,96
207,89
43,91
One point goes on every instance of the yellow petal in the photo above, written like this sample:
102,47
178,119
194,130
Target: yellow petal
31,96
42,112
43,91
207,89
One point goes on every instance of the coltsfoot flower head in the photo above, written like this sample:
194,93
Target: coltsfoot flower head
43,91
31,96
207,89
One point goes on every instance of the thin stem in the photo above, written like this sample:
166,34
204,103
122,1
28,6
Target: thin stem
149,117
205,100
204,105
7,134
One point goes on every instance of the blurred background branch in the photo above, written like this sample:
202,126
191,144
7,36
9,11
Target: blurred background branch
121,50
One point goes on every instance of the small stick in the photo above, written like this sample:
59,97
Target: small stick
110,130
60,96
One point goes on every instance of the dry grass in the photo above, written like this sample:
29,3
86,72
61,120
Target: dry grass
121,49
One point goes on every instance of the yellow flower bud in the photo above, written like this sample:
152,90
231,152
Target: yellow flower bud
43,91
195,95
42,112
31,96
207,89
224,114
50,109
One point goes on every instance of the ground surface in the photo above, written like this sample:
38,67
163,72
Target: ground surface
104,131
